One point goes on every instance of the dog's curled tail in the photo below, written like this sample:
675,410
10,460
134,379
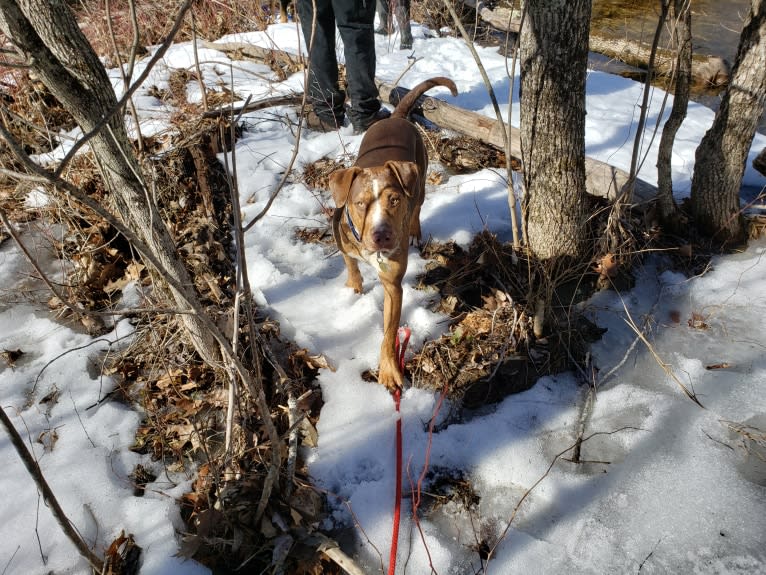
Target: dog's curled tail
408,102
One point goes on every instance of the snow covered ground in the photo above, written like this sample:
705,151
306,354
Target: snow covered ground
670,487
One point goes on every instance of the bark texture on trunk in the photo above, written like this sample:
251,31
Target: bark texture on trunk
46,34
721,156
680,20
554,56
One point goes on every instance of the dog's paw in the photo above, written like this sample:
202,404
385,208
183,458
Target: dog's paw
356,286
390,376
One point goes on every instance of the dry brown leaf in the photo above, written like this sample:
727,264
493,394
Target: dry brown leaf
122,557
608,266
435,178
48,439
189,385
722,365
173,378
312,361
118,284
267,528
697,321
309,433
11,356
134,270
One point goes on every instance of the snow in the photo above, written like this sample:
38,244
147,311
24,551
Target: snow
668,487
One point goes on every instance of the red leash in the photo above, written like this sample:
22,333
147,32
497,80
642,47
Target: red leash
403,338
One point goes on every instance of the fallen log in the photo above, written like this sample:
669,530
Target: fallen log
706,70
601,179
281,62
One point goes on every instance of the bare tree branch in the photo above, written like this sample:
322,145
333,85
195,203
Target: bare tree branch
50,499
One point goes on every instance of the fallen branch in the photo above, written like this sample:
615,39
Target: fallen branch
50,499
288,100
281,62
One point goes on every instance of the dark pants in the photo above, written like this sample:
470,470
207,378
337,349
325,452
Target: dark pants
355,21
401,9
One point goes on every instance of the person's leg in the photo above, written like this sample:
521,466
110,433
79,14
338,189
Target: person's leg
326,96
385,24
355,21
403,19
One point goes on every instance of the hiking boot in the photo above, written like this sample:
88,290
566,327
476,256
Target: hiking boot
316,123
362,125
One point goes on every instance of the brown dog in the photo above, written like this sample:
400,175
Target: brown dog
377,210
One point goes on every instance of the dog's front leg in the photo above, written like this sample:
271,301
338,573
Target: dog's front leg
389,373
354,280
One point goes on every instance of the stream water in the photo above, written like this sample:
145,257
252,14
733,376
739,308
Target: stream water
716,26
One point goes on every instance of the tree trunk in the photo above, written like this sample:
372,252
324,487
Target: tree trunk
46,33
681,38
554,57
721,156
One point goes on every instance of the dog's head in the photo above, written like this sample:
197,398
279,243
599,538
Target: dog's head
377,202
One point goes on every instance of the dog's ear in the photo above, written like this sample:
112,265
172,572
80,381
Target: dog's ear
407,173
340,184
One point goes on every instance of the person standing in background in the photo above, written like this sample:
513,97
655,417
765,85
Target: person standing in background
355,22
401,10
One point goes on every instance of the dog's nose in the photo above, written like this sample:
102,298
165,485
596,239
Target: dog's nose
382,238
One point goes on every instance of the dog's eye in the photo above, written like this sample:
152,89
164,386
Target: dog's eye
361,205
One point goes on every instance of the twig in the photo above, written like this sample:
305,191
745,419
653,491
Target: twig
126,74
77,413
248,106
10,560
628,190
665,367
243,283
493,99
331,548
232,395
200,78
62,354
50,499
509,170
641,566
582,421
43,558
529,491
